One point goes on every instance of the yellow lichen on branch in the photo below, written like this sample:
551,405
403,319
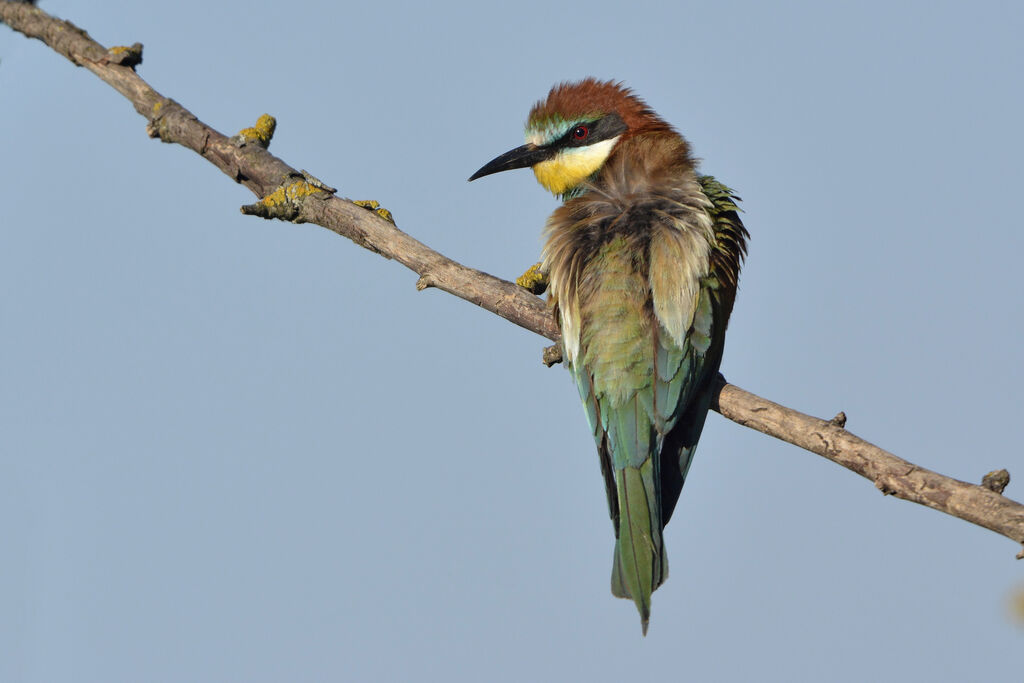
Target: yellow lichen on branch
261,133
289,193
374,206
284,202
124,55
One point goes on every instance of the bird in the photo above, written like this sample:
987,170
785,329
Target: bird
641,262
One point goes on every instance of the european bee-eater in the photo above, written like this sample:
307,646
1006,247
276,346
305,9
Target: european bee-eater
642,260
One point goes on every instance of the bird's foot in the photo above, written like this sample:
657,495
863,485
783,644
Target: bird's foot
533,280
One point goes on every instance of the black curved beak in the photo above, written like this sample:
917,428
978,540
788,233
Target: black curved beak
520,157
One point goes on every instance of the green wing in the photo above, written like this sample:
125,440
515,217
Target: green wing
718,292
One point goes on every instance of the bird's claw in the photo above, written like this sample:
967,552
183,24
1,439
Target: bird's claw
533,280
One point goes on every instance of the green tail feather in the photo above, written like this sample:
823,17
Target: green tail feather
640,564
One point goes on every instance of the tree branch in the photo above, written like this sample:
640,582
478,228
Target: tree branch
892,475
287,193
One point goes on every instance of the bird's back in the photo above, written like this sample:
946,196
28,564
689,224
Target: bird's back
631,264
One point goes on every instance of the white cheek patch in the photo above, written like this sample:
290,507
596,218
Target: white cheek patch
591,156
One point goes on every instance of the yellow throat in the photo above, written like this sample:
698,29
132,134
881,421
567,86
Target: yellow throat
572,166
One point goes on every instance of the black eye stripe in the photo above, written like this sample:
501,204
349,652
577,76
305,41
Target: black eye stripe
585,133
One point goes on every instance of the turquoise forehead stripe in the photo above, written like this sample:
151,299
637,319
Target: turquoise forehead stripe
550,129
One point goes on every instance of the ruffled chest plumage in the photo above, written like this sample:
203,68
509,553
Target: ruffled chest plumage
626,257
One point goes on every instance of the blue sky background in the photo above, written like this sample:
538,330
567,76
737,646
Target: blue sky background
236,449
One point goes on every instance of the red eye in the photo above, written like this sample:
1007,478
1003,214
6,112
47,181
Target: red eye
580,132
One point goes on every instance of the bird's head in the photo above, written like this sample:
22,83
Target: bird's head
571,134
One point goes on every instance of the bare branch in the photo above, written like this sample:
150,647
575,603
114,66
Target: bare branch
285,192
892,475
